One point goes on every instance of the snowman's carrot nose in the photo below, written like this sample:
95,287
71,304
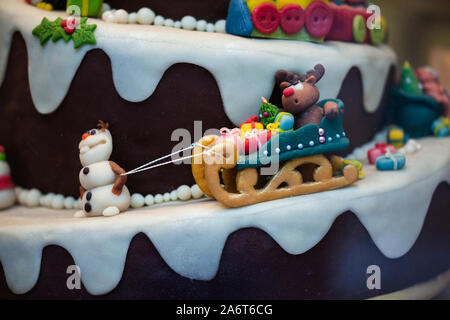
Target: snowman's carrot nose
84,136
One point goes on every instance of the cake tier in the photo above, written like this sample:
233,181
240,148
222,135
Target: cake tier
312,246
148,81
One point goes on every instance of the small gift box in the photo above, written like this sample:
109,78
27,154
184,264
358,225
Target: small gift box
251,124
255,139
396,137
441,127
88,8
380,149
390,161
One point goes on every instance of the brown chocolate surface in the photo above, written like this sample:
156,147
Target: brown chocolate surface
209,10
254,266
42,150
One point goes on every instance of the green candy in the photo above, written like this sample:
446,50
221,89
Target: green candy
359,29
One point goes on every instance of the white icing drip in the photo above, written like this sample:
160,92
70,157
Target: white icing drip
190,236
243,68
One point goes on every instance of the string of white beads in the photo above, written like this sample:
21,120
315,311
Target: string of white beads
35,198
147,16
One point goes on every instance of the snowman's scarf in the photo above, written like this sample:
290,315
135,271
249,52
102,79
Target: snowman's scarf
149,166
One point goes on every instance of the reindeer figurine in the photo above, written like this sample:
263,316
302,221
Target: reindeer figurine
300,97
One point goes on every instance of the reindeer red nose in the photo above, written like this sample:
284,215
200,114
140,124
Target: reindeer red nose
288,92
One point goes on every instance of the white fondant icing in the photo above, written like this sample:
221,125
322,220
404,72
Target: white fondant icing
243,68
190,236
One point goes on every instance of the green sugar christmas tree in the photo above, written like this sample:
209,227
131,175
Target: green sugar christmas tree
268,112
410,83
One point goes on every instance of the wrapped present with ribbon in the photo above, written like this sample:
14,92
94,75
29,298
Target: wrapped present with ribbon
396,136
390,161
284,122
255,139
441,127
379,150
88,8
233,135
249,125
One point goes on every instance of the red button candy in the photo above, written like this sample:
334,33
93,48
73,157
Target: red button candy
319,19
292,19
266,18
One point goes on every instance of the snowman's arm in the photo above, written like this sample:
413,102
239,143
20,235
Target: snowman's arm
120,180
82,191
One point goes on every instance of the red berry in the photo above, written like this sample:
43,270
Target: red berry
69,30
64,23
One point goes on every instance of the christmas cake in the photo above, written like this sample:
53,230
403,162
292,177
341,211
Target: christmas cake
136,136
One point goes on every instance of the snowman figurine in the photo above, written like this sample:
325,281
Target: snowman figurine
102,190
7,194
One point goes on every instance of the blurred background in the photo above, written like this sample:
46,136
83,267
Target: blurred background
419,31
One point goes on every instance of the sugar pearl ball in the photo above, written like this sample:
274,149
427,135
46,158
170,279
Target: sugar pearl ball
58,202
220,26
166,197
145,16
173,195
111,18
159,198
196,192
23,196
42,201
69,202
210,27
149,200
177,24
137,200
188,23
184,192
78,204
106,14
48,199
106,7
132,18
121,16
168,23
159,21
201,25
33,198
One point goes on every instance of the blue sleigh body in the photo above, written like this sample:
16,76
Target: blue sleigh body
306,141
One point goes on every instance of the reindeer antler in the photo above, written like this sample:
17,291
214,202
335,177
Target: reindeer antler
102,125
285,76
317,72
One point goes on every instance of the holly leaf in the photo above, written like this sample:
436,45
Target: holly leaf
84,35
59,32
44,30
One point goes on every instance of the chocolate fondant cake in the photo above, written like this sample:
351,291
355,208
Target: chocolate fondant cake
161,83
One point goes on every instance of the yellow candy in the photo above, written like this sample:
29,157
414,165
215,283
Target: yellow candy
302,3
252,4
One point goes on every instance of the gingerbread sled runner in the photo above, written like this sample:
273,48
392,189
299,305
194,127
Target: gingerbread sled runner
226,171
